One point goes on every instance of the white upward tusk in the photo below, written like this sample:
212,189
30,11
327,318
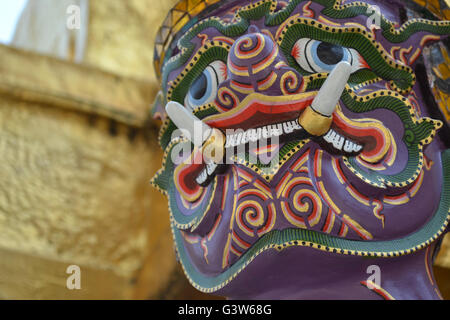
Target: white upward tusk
186,120
328,96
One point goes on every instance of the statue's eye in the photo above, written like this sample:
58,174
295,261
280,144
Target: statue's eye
318,56
204,89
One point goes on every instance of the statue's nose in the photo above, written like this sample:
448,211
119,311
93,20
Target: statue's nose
255,64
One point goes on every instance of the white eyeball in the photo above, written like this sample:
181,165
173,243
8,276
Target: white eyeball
316,56
203,90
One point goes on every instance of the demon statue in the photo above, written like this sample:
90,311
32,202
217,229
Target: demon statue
305,146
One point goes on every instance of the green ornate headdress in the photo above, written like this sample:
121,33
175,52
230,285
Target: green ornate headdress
186,12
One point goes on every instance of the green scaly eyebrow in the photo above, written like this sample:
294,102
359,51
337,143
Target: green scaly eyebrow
381,63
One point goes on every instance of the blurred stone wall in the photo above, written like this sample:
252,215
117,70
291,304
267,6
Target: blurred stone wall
77,158
78,151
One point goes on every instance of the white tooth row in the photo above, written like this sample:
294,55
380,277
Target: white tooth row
206,172
341,143
266,132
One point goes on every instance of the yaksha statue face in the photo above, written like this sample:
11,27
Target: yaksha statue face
305,146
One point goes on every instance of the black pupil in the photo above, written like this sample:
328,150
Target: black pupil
198,88
330,53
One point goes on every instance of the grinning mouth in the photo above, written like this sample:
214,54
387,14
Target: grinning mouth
264,120
261,117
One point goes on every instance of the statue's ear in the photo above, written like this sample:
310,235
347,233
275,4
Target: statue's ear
158,111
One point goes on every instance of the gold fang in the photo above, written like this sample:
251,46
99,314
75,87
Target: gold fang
315,123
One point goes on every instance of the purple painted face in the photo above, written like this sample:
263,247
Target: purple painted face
317,147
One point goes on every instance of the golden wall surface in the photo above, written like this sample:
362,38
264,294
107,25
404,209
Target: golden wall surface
77,157
443,258
122,35
442,268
